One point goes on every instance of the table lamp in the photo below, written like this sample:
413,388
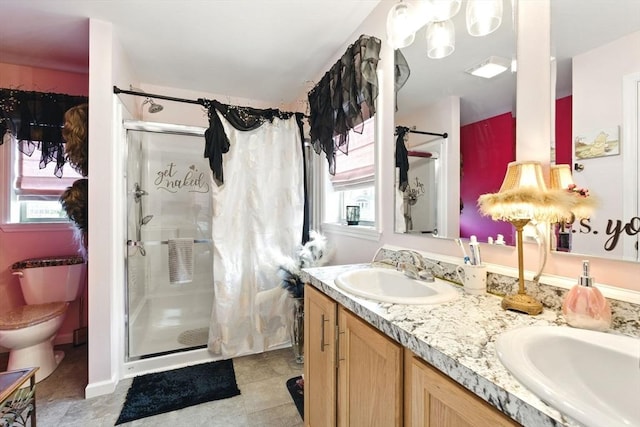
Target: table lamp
582,204
523,197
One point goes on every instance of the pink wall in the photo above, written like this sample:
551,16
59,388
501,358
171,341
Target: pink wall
20,242
486,147
564,144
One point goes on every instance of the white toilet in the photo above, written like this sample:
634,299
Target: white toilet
48,285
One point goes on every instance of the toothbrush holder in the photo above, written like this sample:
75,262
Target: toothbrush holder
473,278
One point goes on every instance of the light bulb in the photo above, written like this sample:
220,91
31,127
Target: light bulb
400,26
442,10
483,16
441,39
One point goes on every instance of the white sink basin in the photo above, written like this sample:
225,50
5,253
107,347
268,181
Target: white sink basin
386,285
593,377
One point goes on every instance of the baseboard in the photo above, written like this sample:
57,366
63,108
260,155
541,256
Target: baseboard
66,338
100,388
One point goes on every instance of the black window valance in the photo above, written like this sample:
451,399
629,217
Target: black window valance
35,120
344,98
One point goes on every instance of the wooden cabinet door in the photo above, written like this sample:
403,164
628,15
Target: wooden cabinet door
369,375
319,359
434,400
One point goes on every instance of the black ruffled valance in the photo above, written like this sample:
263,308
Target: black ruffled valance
344,98
35,120
241,118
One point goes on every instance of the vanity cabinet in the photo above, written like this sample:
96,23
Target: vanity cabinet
432,400
353,373
320,379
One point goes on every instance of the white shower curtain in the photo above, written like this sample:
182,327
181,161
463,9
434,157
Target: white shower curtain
257,216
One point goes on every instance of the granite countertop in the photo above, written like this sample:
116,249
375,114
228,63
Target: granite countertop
457,337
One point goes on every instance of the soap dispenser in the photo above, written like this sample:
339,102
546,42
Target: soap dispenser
584,305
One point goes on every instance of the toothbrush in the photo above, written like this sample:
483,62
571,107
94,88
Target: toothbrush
467,260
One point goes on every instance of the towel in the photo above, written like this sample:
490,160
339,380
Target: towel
180,260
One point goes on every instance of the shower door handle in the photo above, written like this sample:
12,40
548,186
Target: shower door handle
323,344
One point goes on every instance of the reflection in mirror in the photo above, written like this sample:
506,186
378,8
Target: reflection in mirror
597,75
417,181
441,96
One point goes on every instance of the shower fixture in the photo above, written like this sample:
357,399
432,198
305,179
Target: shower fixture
145,220
138,193
153,107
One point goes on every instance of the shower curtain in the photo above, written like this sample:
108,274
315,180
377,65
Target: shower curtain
257,217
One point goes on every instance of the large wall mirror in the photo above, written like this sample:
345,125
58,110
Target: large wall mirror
476,113
596,64
596,45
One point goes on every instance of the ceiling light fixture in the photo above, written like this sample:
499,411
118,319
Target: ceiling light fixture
442,10
400,26
490,67
441,39
482,18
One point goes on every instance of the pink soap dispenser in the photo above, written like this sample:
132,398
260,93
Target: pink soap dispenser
585,306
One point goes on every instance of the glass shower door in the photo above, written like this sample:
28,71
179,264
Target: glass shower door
169,293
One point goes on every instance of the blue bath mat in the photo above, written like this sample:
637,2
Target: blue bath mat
161,392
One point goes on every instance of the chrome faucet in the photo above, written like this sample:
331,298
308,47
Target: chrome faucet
419,269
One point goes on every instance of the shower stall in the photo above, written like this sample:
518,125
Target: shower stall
168,199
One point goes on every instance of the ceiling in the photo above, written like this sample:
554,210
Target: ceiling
577,26
259,49
270,50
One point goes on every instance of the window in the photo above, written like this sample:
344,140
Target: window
34,193
354,180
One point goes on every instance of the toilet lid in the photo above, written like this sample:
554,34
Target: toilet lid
29,315
47,262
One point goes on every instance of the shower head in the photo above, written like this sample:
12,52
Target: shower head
153,107
146,219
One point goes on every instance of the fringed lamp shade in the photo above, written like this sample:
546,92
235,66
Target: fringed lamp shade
581,205
524,195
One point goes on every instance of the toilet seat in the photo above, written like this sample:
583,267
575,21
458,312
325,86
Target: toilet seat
30,315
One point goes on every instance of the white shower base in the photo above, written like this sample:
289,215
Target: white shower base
159,321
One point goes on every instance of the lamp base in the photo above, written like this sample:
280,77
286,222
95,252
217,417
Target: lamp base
523,303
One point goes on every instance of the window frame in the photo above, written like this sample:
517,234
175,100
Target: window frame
367,230
8,156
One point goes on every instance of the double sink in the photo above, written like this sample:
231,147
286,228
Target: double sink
593,377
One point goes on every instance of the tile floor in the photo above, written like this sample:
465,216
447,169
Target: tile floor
264,400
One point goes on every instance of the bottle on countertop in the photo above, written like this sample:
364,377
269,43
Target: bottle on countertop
584,305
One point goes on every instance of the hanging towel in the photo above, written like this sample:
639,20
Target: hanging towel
180,260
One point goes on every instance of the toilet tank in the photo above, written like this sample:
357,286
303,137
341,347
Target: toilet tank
52,279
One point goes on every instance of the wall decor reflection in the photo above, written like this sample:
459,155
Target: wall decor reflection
597,143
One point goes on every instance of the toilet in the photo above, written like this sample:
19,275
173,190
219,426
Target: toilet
48,285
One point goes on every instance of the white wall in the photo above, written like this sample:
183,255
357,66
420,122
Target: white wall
597,105
533,137
108,66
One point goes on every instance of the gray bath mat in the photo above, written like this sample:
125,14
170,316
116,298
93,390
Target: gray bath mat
194,337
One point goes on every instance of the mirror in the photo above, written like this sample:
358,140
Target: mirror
416,213
440,97
595,44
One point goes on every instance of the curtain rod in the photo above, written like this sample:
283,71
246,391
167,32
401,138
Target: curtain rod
117,90
442,135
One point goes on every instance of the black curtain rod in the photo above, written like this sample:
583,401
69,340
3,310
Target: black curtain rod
117,90
442,135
